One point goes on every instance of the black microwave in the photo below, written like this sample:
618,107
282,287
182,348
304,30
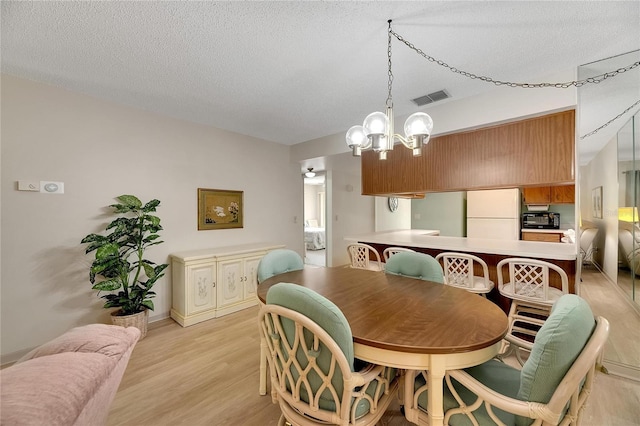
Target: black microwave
540,220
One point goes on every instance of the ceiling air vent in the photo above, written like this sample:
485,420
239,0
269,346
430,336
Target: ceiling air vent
431,97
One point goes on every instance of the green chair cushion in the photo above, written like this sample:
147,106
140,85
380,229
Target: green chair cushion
330,318
415,265
493,374
556,346
278,262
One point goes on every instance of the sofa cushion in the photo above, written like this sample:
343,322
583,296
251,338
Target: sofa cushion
108,340
52,389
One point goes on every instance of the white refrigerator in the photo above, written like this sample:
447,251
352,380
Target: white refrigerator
494,214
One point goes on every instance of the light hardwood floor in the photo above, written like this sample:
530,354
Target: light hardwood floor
623,346
207,374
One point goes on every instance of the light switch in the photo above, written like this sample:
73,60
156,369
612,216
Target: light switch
50,187
28,185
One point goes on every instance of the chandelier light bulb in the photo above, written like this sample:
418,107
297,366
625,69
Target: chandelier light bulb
418,123
357,140
376,123
310,173
418,128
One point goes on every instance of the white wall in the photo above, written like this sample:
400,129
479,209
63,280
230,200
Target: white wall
349,212
592,176
444,211
101,150
386,220
311,202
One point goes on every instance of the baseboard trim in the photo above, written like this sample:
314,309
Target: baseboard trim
622,370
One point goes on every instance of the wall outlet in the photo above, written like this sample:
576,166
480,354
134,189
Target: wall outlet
51,187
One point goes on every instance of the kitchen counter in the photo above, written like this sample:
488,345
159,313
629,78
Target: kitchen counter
429,239
490,250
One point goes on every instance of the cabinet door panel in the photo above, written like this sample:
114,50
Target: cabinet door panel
564,194
537,195
251,274
230,282
201,283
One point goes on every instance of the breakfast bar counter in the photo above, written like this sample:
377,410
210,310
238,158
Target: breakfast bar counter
491,251
428,239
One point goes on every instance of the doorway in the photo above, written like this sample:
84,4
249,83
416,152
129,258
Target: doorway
315,220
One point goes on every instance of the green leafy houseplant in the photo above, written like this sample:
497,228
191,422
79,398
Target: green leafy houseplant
119,266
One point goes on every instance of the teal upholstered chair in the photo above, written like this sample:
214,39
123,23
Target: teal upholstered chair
415,265
314,375
552,386
278,262
274,263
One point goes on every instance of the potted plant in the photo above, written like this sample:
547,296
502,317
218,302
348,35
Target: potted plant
120,268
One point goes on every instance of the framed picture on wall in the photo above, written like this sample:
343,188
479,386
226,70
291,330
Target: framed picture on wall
596,202
219,209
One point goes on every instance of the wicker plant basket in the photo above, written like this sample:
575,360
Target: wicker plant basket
139,320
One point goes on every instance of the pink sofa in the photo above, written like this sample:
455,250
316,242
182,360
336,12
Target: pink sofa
70,380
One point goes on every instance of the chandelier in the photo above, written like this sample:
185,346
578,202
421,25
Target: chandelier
377,130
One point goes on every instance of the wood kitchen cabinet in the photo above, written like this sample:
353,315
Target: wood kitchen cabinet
550,237
214,282
565,194
537,195
509,155
562,194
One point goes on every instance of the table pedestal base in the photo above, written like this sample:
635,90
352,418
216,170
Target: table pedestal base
435,364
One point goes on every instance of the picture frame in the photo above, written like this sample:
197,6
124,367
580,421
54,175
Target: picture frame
220,209
596,202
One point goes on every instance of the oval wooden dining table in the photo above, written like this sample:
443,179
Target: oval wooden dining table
408,323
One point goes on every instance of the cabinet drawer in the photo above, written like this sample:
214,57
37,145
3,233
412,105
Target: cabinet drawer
540,236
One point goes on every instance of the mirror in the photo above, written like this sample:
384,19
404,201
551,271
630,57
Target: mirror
609,192
628,199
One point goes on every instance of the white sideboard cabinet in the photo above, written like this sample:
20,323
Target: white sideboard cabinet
210,283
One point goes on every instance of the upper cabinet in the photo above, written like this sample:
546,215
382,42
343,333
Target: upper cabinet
537,195
564,194
536,151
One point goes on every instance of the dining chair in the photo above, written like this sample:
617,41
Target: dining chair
278,262
459,272
390,251
415,265
315,377
550,389
586,244
273,263
531,298
360,256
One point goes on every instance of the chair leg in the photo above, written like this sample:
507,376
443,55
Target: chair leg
282,421
263,368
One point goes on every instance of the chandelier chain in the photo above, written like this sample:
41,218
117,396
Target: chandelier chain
593,132
596,79
389,102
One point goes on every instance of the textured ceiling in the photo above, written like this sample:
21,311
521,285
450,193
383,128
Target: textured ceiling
289,72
